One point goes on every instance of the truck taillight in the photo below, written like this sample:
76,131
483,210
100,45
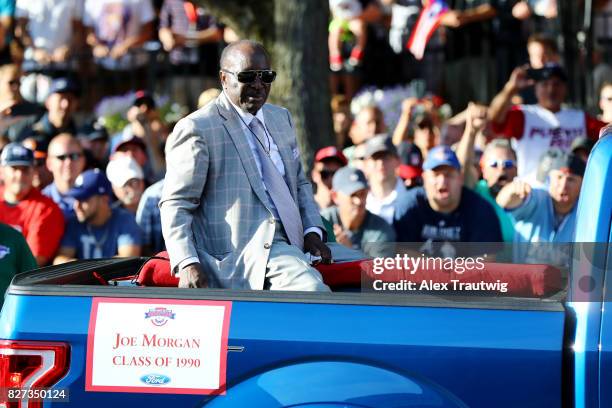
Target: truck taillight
30,364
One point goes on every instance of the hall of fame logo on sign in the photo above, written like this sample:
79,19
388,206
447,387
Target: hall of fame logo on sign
159,316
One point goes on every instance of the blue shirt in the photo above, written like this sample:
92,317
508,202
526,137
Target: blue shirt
92,242
536,222
148,218
65,203
474,220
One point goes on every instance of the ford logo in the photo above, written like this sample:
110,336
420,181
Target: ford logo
155,379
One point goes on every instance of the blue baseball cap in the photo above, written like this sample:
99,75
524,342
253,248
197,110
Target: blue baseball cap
348,180
15,154
64,85
90,183
441,156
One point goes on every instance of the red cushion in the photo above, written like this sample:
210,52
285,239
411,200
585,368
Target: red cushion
156,272
341,273
523,280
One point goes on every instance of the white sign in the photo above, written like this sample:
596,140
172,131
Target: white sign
157,346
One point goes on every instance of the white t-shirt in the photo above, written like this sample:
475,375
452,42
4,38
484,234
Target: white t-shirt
50,21
115,20
385,207
544,130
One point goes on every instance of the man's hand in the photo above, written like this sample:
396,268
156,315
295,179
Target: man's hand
521,10
408,104
519,79
452,18
314,245
476,117
512,195
118,51
192,276
100,51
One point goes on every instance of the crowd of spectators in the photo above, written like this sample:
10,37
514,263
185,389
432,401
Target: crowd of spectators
507,167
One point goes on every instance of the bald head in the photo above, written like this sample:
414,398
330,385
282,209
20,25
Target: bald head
65,160
238,50
62,141
245,55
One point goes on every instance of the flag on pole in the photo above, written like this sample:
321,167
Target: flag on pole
427,23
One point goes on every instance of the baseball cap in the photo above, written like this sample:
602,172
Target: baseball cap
37,146
90,183
331,152
582,143
411,160
93,131
379,143
143,97
441,156
349,180
122,169
570,163
15,154
126,136
548,71
64,85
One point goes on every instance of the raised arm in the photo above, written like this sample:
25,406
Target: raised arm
401,129
501,104
476,120
513,195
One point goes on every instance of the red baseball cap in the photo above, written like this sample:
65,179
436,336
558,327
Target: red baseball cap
409,172
331,152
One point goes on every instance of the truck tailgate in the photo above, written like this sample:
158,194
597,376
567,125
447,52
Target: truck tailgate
289,349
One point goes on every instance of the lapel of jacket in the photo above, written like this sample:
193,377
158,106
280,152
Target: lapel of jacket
232,124
283,148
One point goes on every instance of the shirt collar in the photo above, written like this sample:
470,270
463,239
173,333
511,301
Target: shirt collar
247,117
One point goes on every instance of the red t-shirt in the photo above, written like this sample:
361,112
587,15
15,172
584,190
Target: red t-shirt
39,219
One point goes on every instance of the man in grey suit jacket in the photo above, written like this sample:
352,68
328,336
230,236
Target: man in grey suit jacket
233,179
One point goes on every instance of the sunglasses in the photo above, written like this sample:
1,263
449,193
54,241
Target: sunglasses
71,156
14,82
267,76
504,164
326,174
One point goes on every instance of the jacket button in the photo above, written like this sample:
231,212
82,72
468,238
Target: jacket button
267,246
272,220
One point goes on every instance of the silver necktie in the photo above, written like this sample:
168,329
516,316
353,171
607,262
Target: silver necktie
288,211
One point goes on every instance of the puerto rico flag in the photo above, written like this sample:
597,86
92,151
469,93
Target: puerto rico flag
426,24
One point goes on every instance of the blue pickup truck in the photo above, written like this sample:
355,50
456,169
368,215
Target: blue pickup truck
348,348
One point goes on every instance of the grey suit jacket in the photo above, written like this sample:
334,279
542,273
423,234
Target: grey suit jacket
213,203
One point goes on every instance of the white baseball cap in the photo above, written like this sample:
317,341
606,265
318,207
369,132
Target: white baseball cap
122,169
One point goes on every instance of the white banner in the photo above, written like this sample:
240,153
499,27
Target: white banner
157,346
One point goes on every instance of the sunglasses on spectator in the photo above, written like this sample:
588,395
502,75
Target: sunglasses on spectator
326,174
267,76
71,156
504,164
14,82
